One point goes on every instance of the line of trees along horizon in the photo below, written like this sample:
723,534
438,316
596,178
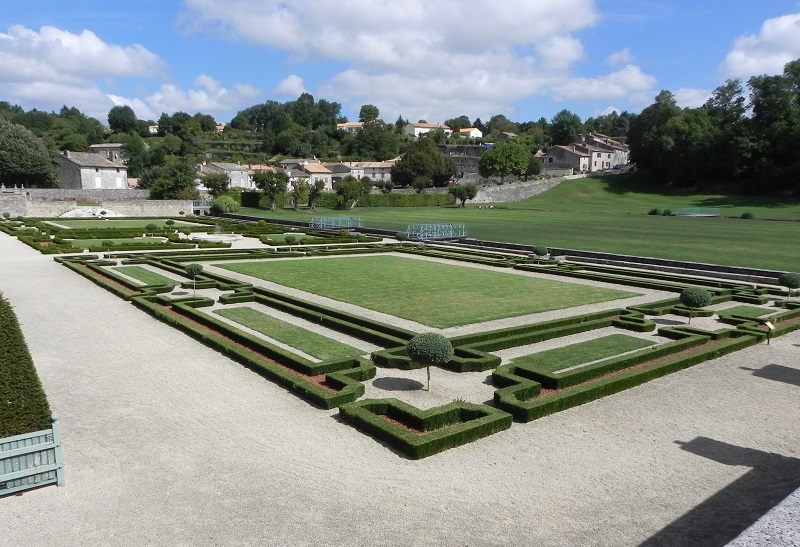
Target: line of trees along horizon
743,139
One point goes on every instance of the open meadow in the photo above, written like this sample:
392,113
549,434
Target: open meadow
610,215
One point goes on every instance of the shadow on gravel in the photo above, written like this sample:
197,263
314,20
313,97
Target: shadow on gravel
397,384
726,514
667,322
779,373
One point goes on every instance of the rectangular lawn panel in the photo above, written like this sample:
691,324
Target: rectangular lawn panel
317,345
554,360
431,293
145,276
746,311
111,224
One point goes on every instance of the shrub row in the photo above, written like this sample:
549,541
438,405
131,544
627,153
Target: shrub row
440,428
487,261
342,378
463,360
24,403
515,398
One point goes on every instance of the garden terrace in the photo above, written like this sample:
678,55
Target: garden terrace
565,342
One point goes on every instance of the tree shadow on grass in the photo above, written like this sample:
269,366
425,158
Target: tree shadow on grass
722,517
778,373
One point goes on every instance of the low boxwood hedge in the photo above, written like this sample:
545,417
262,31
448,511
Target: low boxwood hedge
422,433
24,403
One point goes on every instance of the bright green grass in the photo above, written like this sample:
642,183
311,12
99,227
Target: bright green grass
746,311
583,352
434,294
281,238
321,347
115,224
145,276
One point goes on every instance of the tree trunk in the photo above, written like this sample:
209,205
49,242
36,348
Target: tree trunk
429,378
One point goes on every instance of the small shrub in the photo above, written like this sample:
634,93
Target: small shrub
225,204
401,236
747,215
6,215
262,223
789,280
169,222
654,211
666,212
693,298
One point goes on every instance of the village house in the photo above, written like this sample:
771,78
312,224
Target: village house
350,127
471,133
238,175
567,157
112,151
86,170
417,129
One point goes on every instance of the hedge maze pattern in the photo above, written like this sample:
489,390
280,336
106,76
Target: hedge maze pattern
524,390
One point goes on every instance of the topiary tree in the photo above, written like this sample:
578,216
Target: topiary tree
169,222
791,281
194,270
290,240
107,244
151,228
539,251
694,298
401,236
430,349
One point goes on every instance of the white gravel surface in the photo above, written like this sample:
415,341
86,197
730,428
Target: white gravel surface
169,443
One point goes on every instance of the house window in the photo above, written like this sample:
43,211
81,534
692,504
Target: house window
96,169
550,160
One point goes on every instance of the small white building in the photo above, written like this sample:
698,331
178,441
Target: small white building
238,175
350,127
85,170
471,133
417,129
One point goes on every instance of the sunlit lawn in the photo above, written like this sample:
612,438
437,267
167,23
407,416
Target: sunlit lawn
434,294
316,345
116,224
583,352
145,276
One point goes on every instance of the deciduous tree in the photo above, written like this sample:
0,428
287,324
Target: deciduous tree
271,184
463,192
430,349
504,159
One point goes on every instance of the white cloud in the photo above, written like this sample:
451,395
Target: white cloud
291,86
418,58
777,43
206,96
620,58
630,79
691,98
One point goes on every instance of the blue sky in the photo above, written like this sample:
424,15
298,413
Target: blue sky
422,59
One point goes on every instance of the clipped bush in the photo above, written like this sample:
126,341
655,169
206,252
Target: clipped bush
225,204
429,349
401,236
654,211
694,298
747,215
789,280
666,212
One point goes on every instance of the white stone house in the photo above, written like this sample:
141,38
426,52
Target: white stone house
417,129
567,157
86,170
238,175
471,133
350,127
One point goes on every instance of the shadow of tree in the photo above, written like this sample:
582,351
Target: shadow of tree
779,373
726,514
397,384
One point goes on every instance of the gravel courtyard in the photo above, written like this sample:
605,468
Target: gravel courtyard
169,443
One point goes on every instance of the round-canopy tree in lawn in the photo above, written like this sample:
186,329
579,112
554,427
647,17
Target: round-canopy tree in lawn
430,349
694,298
194,270
290,240
791,281
151,228
539,251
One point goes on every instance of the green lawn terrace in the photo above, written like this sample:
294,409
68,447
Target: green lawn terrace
427,293
545,349
127,223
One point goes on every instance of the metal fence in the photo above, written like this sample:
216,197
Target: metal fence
698,212
31,460
436,231
330,223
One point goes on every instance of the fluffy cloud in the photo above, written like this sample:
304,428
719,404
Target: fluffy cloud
691,98
413,57
615,85
292,87
619,58
206,95
776,44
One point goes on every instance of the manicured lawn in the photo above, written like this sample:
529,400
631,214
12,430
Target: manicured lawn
281,238
321,347
583,352
748,311
610,215
97,244
430,293
115,224
145,276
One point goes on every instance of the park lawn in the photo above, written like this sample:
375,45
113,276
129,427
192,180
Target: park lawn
747,311
112,224
554,360
97,244
729,241
431,293
280,239
145,276
317,345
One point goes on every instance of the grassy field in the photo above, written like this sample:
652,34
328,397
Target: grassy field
145,276
583,352
81,223
321,347
748,311
434,294
609,216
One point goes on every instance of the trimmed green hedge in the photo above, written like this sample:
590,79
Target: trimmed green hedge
516,397
24,403
439,428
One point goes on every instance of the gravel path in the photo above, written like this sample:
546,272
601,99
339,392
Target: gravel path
169,443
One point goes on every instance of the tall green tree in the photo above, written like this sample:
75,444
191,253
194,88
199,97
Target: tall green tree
351,190
463,192
271,184
122,119
216,183
502,159
175,180
565,127
423,159
299,193
24,159
314,191
368,114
